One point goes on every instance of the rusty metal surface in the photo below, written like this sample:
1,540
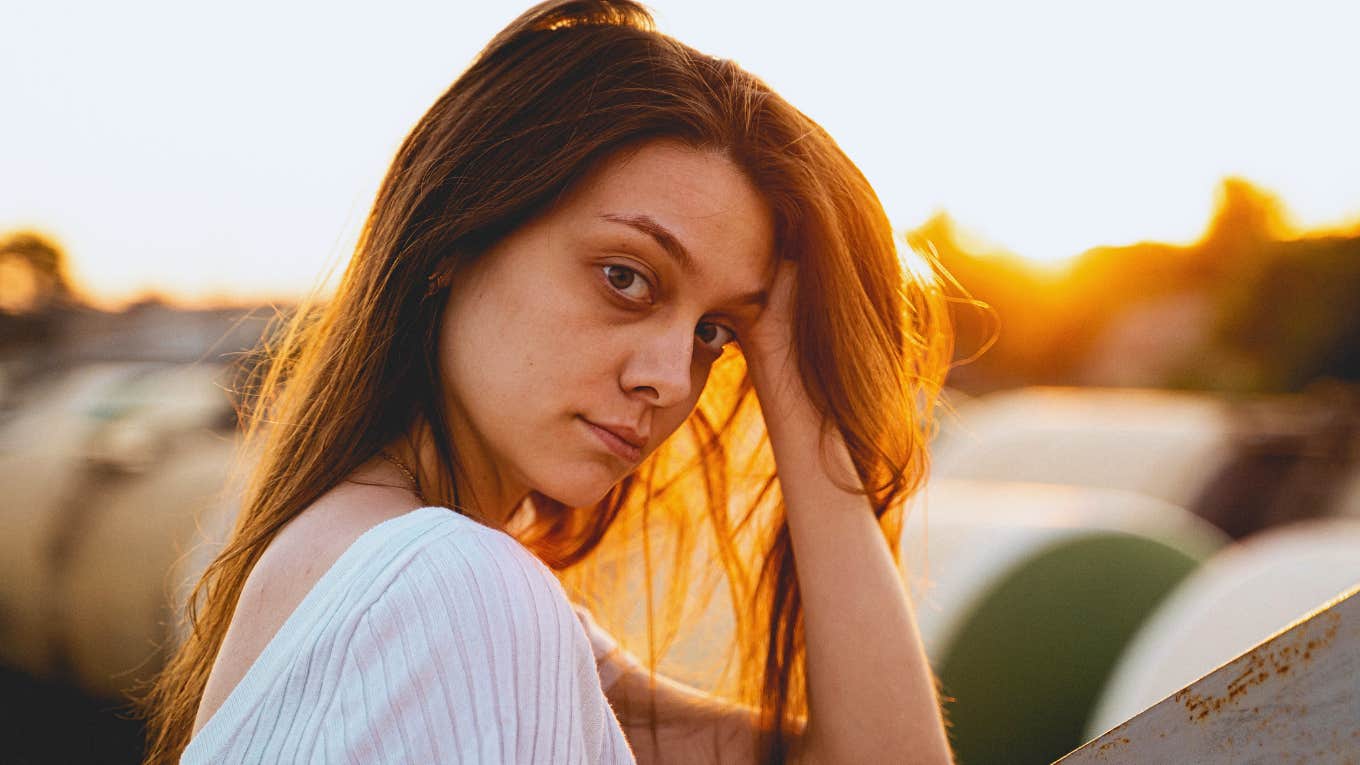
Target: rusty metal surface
1294,698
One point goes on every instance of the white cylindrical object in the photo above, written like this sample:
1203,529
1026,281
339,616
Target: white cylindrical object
1163,444
1240,597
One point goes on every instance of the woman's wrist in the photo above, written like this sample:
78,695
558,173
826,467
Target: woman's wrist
787,408
811,460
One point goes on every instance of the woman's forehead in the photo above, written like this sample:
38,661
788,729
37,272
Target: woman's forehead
694,203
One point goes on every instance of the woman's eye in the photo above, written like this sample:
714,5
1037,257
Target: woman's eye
628,282
715,336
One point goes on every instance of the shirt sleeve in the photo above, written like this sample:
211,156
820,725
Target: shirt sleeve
474,655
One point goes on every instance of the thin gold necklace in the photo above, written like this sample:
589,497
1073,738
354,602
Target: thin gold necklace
410,476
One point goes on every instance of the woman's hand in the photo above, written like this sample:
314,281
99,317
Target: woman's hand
768,343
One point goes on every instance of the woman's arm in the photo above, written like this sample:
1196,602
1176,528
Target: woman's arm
692,726
871,694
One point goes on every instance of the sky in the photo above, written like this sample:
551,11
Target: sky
231,151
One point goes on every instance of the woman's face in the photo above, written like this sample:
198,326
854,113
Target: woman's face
582,340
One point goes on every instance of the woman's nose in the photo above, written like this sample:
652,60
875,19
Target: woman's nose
660,367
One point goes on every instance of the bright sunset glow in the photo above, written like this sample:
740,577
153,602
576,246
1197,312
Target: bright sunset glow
205,153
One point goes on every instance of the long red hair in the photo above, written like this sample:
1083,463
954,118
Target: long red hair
562,88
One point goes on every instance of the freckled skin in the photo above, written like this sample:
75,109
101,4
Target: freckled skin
535,336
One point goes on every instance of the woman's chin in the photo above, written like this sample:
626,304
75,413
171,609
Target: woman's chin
577,483
578,498
579,493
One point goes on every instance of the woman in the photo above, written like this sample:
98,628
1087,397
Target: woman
596,238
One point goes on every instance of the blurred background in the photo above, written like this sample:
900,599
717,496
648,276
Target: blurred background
1150,212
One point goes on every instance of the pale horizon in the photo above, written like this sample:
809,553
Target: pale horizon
233,157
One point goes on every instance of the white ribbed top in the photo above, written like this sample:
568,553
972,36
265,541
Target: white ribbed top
432,638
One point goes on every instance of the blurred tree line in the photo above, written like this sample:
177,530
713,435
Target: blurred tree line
1254,306
34,287
47,327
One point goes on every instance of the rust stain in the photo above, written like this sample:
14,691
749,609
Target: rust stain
1112,739
1273,659
1112,744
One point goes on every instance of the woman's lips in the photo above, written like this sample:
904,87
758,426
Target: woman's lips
619,447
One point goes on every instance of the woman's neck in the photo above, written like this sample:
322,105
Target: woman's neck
481,491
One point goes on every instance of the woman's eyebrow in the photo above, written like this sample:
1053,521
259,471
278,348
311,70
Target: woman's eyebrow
663,236
671,244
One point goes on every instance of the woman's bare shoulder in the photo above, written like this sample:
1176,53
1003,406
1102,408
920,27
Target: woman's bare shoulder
299,555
